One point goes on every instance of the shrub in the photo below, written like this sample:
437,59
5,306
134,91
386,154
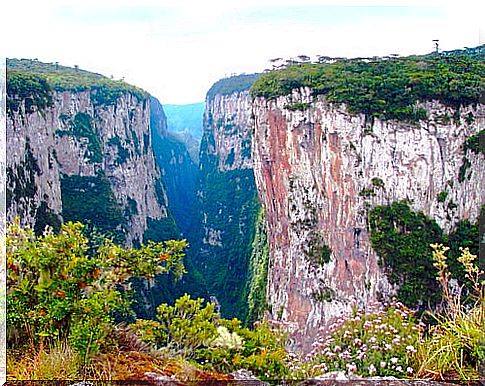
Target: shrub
441,196
454,346
380,342
56,291
194,330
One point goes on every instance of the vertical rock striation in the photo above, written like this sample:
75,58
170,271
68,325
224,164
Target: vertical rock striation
84,155
227,199
319,170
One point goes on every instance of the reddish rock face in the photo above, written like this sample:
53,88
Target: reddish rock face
310,167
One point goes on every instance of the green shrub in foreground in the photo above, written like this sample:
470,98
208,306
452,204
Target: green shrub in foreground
196,332
57,291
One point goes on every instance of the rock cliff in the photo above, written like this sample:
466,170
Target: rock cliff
320,169
81,152
226,192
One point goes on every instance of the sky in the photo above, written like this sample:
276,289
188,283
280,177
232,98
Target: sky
177,49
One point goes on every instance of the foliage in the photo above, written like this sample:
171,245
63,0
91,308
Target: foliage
297,106
454,346
54,363
377,182
401,239
373,343
441,196
474,143
233,84
229,206
21,183
161,229
46,217
104,91
258,271
122,153
318,252
195,331
89,199
56,291
386,88
34,90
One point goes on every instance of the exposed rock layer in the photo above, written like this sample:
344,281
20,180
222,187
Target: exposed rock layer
318,171
79,136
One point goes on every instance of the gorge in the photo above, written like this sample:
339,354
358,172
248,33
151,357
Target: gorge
284,211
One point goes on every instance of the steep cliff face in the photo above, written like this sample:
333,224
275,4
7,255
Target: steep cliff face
226,197
318,171
82,155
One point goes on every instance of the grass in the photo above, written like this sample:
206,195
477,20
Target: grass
455,346
49,363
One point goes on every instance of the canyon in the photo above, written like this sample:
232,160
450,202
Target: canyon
276,210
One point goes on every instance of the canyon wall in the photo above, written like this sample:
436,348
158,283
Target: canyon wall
227,200
83,155
320,169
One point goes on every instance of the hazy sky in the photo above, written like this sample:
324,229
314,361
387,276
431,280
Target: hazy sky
177,49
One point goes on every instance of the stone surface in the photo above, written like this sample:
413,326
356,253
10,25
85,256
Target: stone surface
126,156
310,167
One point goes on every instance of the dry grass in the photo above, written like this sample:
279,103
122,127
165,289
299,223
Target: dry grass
58,362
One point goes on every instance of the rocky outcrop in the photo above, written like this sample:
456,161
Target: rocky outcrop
227,200
81,140
319,170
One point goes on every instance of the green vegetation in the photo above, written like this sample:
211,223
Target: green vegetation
231,206
475,144
374,343
401,239
367,192
25,75
232,84
46,217
441,196
90,200
318,252
131,208
454,346
82,126
258,271
123,153
196,332
324,294
32,89
161,229
385,88
57,293
297,106
377,183
21,179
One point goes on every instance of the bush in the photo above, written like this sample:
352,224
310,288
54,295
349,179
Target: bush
195,331
386,88
454,346
381,342
57,292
